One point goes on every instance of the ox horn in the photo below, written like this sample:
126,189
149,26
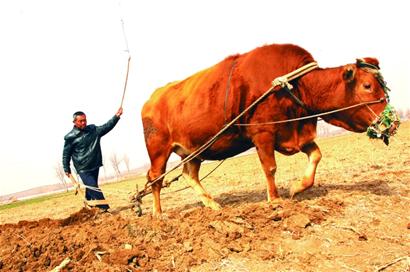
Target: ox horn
349,73
372,63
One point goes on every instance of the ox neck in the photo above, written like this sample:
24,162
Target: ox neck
297,100
318,89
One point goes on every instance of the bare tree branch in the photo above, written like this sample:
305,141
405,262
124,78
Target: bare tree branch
407,115
60,174
115,163
126,160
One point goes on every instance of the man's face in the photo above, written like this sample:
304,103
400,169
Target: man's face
80,121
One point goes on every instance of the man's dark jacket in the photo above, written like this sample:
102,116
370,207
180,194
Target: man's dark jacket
83,146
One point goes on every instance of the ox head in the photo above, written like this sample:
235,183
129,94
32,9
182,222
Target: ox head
364,86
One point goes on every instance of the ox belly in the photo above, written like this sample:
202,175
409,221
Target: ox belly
225,147
291,141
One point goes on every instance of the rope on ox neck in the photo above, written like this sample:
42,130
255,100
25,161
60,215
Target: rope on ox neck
282,81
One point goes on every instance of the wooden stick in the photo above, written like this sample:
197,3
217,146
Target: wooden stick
352,269
126,81
61,265
392,262
98,253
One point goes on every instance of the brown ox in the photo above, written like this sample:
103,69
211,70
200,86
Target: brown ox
183,115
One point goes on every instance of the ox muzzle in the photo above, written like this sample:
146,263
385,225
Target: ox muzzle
385,125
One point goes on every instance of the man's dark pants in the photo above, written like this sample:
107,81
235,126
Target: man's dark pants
90,178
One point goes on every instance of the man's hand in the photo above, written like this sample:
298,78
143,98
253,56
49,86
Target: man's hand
119,112
75,183
77,188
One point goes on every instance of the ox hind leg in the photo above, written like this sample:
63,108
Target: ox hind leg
158,167
314,156
159,149
264,143
191,176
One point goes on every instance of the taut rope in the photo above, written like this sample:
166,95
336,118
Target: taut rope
315,115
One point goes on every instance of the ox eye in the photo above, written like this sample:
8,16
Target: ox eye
367,86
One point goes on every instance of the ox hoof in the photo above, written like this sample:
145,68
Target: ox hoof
213,205
208,201
160,216
297,188
275,203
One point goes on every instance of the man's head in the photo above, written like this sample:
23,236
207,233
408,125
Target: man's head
79,120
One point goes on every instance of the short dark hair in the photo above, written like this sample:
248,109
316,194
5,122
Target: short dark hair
77,113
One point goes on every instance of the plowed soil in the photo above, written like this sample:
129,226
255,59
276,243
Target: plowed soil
355,218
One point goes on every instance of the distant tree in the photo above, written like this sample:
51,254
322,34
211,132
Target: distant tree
115,163
407,115
104,168
126,160
323,130
60,174
401,113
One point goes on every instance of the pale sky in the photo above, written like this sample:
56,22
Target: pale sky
57,57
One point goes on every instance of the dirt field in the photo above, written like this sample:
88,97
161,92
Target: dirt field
355,218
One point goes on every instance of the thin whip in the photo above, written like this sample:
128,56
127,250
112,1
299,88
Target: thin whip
125,37
126,80
124,34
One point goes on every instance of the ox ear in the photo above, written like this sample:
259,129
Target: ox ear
349,73
372,61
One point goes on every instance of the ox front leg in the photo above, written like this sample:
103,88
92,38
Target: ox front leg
314,156
264,143
191,175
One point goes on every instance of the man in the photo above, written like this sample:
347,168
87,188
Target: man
82,145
